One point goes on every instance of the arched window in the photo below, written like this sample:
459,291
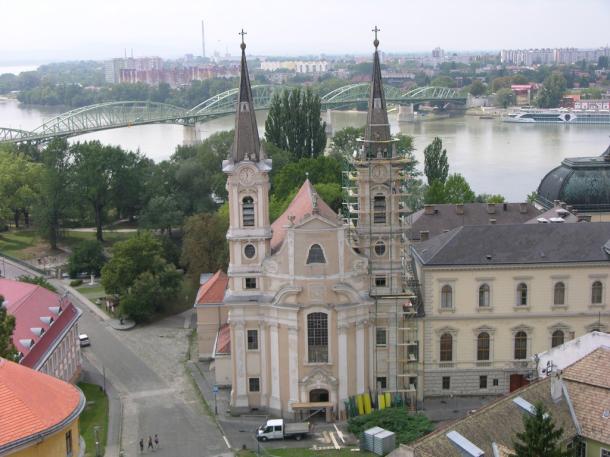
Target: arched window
316,255
520,345
483,295
596,292
379,209
559,294
522,294
447,297
446,353
317,337
483,346
557,338
248,212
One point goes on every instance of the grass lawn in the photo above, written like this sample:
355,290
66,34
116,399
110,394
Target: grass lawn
23,244
71,237
304,452
95,413
92,292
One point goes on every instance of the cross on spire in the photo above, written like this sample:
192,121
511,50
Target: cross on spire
376,42
243,43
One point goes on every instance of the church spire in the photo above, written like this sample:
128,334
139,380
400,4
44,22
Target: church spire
377,135
246,145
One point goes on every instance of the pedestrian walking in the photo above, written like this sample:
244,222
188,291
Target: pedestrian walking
150,443
141,445
156,441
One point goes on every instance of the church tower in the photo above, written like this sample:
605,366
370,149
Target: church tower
247,170
380,226
249,234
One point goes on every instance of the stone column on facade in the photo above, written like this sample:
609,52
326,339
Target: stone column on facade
293,365
372,357
241,394
274,401
342,362
262,330
360,326
392,346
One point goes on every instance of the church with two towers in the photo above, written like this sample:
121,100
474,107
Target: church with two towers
315,307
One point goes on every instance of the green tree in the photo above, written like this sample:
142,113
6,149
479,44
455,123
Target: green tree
95,175
320,170
204,245
519,79
150,293
162,213
345,141
7,327
489,198
552,91
443,81
19,178
477,88
87,256
55,193
130,258
294,123
503,82
435,193
37,280
541,438
505,98
194,174
436,166
331,193
457,190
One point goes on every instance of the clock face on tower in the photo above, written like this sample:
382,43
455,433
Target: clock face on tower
246,176
379,173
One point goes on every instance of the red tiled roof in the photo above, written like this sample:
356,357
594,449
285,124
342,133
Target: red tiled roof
300,207
213,290
223,342
30,304
32,402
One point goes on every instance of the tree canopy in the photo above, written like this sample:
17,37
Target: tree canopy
88,257
552,91
7,327
294,124
436,166
541,438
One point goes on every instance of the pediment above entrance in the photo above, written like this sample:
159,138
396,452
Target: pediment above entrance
319,378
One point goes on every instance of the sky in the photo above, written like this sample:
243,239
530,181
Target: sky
42,30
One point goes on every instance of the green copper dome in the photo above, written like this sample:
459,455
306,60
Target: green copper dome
583,182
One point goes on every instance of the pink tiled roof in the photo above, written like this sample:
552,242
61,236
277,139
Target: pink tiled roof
300,207
32,402
30,304
213,290
223,342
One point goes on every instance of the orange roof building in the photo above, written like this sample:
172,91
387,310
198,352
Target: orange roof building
38,413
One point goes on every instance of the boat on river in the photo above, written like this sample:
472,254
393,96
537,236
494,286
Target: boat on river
558,116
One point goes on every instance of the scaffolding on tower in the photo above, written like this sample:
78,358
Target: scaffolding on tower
378,228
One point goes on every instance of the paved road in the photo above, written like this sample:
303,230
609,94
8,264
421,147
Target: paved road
145,366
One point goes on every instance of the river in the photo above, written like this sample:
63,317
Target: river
495,157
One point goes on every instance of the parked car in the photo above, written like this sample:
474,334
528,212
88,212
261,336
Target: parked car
277,429
83,338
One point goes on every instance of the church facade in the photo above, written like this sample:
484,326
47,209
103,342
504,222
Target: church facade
302,312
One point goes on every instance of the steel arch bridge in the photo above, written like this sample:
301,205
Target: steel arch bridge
110,115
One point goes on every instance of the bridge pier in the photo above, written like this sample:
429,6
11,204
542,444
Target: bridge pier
406,113
190,135
329,124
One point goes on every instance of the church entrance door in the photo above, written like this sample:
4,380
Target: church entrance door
318,395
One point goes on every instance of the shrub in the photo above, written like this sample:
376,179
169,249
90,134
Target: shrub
408,427
76,283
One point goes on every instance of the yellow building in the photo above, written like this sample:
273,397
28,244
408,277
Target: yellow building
495,295
38,414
